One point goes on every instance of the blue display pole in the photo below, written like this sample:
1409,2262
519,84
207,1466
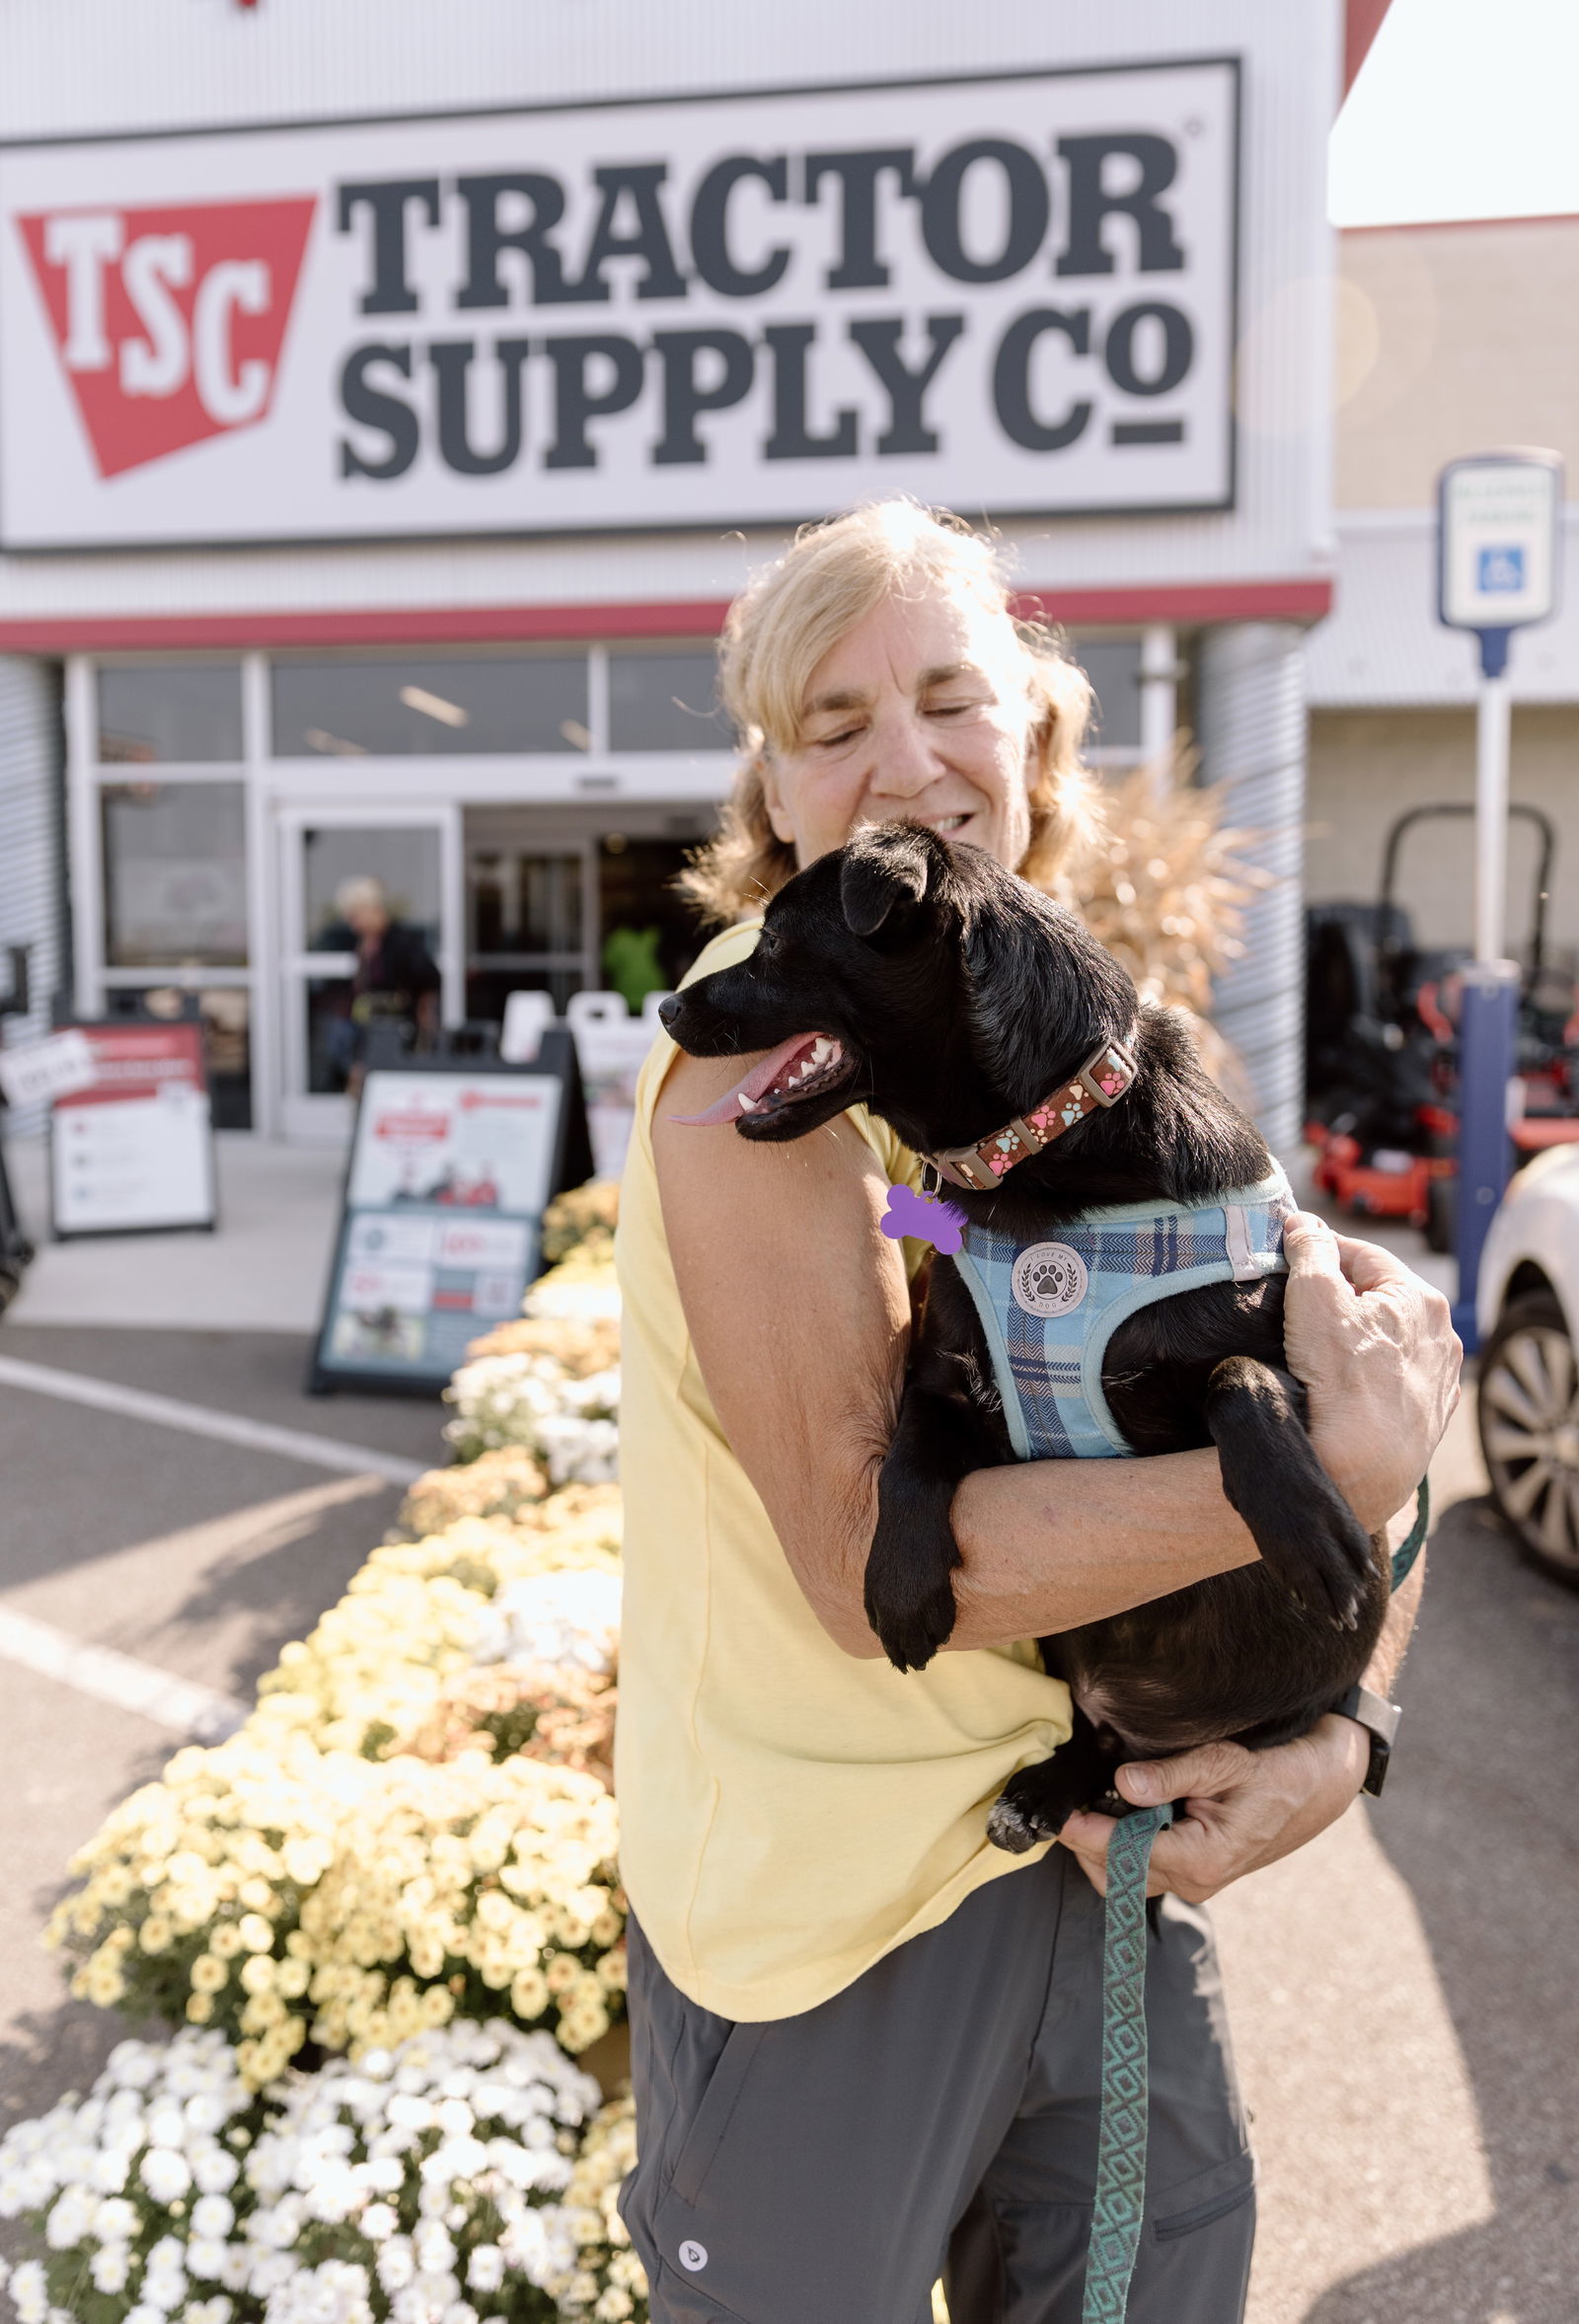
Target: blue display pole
1488,1028
1486,1049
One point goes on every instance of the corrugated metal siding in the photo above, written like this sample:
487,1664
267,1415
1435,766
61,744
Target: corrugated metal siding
30,840
1253,735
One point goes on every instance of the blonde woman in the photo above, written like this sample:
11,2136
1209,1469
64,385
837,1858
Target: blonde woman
865,2043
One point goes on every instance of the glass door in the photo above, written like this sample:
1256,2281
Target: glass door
371,928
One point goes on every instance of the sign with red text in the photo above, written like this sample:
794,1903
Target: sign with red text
135,1150
450,1172
1015,294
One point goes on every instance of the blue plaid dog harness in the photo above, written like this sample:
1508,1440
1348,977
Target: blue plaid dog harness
1048,1310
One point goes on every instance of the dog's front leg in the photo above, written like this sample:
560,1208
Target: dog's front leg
910,1590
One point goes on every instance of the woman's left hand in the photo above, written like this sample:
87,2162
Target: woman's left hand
1235,1810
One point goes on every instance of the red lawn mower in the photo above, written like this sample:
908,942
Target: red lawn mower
1382,1047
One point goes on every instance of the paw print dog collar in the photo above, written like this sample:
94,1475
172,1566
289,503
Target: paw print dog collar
1100,1081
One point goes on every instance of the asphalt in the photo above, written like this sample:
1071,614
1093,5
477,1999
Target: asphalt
1403,1992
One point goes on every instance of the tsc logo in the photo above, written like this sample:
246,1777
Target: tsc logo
169,322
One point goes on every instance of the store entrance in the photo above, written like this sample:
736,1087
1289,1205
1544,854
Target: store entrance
484,901
572,901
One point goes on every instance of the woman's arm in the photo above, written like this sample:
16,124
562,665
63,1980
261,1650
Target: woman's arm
1377,1352
800,1314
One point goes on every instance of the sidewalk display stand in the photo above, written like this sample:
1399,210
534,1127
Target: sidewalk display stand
16,1252
613,1046
133,1151
454,1159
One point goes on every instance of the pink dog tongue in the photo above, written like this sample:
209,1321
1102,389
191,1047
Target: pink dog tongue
762,1076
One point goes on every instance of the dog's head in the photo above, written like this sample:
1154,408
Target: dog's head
919,977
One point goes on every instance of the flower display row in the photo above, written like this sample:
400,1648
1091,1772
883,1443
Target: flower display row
464,2174
385,1917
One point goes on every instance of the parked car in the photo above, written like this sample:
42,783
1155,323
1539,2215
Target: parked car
1528,1310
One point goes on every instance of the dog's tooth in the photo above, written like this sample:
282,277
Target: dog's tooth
747,1105
822,1051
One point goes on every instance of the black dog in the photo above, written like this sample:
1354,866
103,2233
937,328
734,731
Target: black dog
951,998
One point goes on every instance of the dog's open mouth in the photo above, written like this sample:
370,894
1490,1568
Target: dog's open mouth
808,1065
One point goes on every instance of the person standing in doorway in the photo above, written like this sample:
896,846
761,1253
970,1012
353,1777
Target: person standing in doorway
394,979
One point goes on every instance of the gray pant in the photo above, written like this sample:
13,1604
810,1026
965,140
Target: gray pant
938,2117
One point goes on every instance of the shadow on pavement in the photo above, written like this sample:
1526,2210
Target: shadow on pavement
1486,1838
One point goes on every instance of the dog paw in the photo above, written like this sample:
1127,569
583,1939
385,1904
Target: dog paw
1010,1828
912,1631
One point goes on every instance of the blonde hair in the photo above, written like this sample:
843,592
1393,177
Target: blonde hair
793,611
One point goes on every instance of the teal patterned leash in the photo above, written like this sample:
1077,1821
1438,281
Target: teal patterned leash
1121,2147
1405,1555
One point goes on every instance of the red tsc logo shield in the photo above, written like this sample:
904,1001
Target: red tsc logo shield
169,322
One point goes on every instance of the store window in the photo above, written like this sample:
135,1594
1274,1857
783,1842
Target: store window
434,708
665,698
160,714
174,857
1114,667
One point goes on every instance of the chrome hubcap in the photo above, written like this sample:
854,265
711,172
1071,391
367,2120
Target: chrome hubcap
1531,1400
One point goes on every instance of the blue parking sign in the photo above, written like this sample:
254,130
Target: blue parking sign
1499,571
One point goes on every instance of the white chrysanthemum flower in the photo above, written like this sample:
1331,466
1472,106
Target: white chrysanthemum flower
165,2173
30,2293
110,2268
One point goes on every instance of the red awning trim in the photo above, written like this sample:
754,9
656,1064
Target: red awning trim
492,624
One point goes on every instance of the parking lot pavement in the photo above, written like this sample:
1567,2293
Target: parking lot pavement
192,1557
1403,1992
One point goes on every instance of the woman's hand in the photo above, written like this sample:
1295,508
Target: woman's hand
1377,1351
1235,1810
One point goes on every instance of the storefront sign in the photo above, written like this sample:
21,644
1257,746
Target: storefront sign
1014,293
450,1173
135,1150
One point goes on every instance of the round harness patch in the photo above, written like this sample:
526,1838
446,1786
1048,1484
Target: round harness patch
1049,1279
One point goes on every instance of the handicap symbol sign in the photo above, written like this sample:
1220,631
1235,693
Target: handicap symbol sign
1499,572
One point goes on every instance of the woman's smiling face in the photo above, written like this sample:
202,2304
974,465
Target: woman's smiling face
921,713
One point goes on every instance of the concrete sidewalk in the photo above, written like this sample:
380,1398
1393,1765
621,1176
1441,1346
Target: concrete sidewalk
264,1268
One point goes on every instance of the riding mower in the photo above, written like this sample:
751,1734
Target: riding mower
1382,1054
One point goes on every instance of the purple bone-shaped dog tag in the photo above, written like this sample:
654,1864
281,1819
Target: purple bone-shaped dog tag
923,1219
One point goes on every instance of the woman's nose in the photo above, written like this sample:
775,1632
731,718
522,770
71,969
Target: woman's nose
906,760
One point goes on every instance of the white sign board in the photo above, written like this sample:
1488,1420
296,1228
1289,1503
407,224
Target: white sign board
1015,294
450,1173
51,1068
133,1150
1497,547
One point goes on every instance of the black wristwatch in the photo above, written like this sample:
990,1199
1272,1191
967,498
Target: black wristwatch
1380,1719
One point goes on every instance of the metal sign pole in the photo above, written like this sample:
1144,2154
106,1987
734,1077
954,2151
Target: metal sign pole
1496,571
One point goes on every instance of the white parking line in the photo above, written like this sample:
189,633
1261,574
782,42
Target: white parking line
196,1711
201,1420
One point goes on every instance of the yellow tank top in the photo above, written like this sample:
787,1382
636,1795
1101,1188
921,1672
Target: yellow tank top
788,1814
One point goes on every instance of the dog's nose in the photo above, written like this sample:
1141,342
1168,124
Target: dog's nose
668,1010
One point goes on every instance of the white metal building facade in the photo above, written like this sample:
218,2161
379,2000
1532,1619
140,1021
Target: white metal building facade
387,417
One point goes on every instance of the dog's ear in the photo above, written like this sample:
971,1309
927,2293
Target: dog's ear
1039,988
883,877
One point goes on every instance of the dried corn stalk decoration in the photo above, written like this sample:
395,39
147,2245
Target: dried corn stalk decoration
1164,887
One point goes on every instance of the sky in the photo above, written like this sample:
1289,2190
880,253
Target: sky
1463,108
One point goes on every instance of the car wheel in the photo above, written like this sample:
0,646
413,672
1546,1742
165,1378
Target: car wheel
1528,1413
